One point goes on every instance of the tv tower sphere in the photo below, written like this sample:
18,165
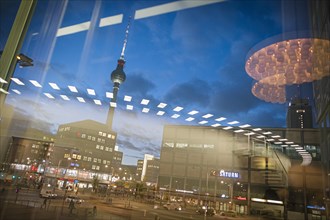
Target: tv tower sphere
118,76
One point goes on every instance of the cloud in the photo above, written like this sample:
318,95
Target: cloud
195,92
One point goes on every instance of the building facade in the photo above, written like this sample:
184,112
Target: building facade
299,114
232,171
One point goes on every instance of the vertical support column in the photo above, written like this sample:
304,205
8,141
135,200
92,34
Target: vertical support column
249,179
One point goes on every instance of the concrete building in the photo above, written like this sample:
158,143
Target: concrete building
229,170
89,149
299,114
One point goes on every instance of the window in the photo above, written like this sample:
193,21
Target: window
181,145
85,158
99,160
101,147
168,144
109,135
83,135
93,138
100,133
106,148
89,159
95,160
78,157
97,146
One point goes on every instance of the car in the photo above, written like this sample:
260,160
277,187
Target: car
209,211
229,213
48,194
75,199
173,206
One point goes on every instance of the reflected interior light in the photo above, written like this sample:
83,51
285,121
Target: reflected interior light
207,116
162,105
274,201
193,112
64,97
175,116
145,102
293,61
16,91
220,119
233,122
129,107
145,110
258,200
177,109
81,99
216,125
54,86
109,95
113,104
190,119
160,113
35,83
73,89
17,81
49,95
245,126
227,128
127,98
91,91
97,102
202,122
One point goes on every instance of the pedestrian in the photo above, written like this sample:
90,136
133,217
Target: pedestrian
44,204
94,211
71,206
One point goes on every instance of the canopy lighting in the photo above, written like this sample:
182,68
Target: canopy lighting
109,95
73,89
207,116
193,112
202,122
145,110
80,99
54,86
97,102
177,109
162,105
91,91
287,62
190,119
175,116
160,113
65,97
35,83
127,98
49,95
129,107
233,122
145,101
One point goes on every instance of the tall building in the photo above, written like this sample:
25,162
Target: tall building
299,114
83,150
118,77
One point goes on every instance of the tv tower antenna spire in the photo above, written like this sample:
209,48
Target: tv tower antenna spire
125,40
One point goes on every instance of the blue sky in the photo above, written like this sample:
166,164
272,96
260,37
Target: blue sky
192,57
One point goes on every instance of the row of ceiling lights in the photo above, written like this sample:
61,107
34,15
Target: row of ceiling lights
231,125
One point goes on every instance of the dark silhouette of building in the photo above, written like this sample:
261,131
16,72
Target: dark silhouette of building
299,114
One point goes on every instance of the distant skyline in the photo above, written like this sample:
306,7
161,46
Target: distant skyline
192,56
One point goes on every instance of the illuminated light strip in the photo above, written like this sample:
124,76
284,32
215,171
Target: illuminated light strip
160,113
97,102
216,125
207,116
127,98
35,83
190,119
221,119
257,129
16,91
283,139
109,95
245,126
111,20
276,136
54,86
270,139
233,122
171,7
49,95
177,109
3,81
145,102
260,136
278,142
175,116
258,200
202,122
129,107
267,132
299,148
73,89
65,97
81,99
227,128
250,133
4,91
193,112
289,142
73,29
145,110
274,201
162,105
239,131
91,91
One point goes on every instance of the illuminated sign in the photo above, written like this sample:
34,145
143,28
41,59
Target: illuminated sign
224,173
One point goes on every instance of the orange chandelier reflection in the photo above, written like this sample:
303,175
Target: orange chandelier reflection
288,62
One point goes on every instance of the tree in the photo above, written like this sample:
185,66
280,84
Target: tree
95,183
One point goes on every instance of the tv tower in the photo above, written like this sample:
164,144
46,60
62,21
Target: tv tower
118,76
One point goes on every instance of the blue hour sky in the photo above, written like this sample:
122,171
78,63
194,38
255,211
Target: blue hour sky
192,56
